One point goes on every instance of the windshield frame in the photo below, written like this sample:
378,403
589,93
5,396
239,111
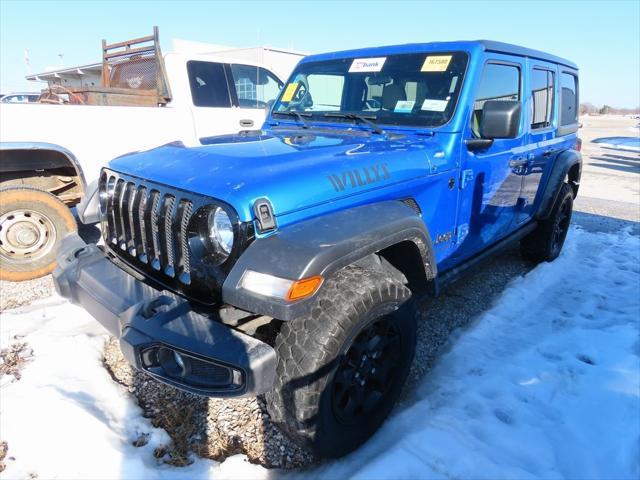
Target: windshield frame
319,119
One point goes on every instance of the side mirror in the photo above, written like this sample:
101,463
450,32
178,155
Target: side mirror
500,119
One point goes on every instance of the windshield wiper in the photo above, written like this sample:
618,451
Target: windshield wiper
300,116
364,119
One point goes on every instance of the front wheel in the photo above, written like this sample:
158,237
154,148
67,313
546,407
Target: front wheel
32,225
342,367
545,242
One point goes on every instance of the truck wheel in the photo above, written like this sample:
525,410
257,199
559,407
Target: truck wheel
341,367
32,225
545,242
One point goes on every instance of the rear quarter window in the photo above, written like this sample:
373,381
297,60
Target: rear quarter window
542,87
568,99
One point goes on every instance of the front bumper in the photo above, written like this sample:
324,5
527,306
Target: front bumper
159,332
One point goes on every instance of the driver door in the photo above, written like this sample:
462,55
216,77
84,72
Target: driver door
491,179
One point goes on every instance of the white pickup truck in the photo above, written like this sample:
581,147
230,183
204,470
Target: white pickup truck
50,153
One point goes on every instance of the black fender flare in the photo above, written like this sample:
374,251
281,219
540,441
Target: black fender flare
322,246
567,164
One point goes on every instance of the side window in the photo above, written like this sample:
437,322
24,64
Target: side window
568,99
255,86
542,86
208,84
326,90
498,82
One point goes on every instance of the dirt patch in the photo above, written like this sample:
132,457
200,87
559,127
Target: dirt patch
14,358
4,448
16,294
210,428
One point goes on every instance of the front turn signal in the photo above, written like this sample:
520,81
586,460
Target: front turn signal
304,288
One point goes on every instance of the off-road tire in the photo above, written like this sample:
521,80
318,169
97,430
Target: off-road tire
311,348
545,242
44,214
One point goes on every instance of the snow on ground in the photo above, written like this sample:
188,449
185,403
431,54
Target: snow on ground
546,384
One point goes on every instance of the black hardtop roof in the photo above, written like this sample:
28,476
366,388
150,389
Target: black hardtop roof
501,47
469,45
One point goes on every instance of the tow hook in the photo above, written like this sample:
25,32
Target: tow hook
152,307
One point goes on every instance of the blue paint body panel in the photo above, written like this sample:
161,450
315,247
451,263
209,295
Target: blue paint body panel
336,165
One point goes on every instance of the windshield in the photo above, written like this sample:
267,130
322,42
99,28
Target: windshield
417,89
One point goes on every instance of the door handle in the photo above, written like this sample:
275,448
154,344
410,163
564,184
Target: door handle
518,162
246,122
548,153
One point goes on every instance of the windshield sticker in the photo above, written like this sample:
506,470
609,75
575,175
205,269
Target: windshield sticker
367,64
433,105
404,106
289,92
436,63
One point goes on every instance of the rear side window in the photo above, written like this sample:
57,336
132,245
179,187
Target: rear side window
255,86
498,82
541,98
208,84
568,99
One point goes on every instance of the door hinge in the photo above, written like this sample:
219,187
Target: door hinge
466,177
461,233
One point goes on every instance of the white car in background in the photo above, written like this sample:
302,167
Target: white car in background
20,97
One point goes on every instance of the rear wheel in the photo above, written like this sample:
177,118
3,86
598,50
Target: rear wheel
32,225
545,242
341,368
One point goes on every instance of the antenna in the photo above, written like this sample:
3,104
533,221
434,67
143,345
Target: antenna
27,61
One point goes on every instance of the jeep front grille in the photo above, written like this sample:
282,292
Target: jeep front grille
149,225
158,230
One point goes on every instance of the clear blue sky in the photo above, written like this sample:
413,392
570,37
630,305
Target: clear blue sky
602,37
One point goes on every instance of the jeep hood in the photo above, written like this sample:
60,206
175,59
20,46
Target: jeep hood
294,169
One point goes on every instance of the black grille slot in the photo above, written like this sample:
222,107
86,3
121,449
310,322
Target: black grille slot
150,226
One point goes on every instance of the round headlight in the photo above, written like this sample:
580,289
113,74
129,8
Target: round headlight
221,231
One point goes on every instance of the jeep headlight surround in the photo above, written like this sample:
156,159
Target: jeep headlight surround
220,232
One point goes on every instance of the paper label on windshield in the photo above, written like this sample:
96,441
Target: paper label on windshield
404,106
434,105
367,64
436,63
289,92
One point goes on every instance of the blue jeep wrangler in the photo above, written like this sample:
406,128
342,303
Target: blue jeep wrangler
281,261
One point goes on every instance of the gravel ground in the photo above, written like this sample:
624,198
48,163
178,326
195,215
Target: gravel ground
4,448
212,428
13,359
16,294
